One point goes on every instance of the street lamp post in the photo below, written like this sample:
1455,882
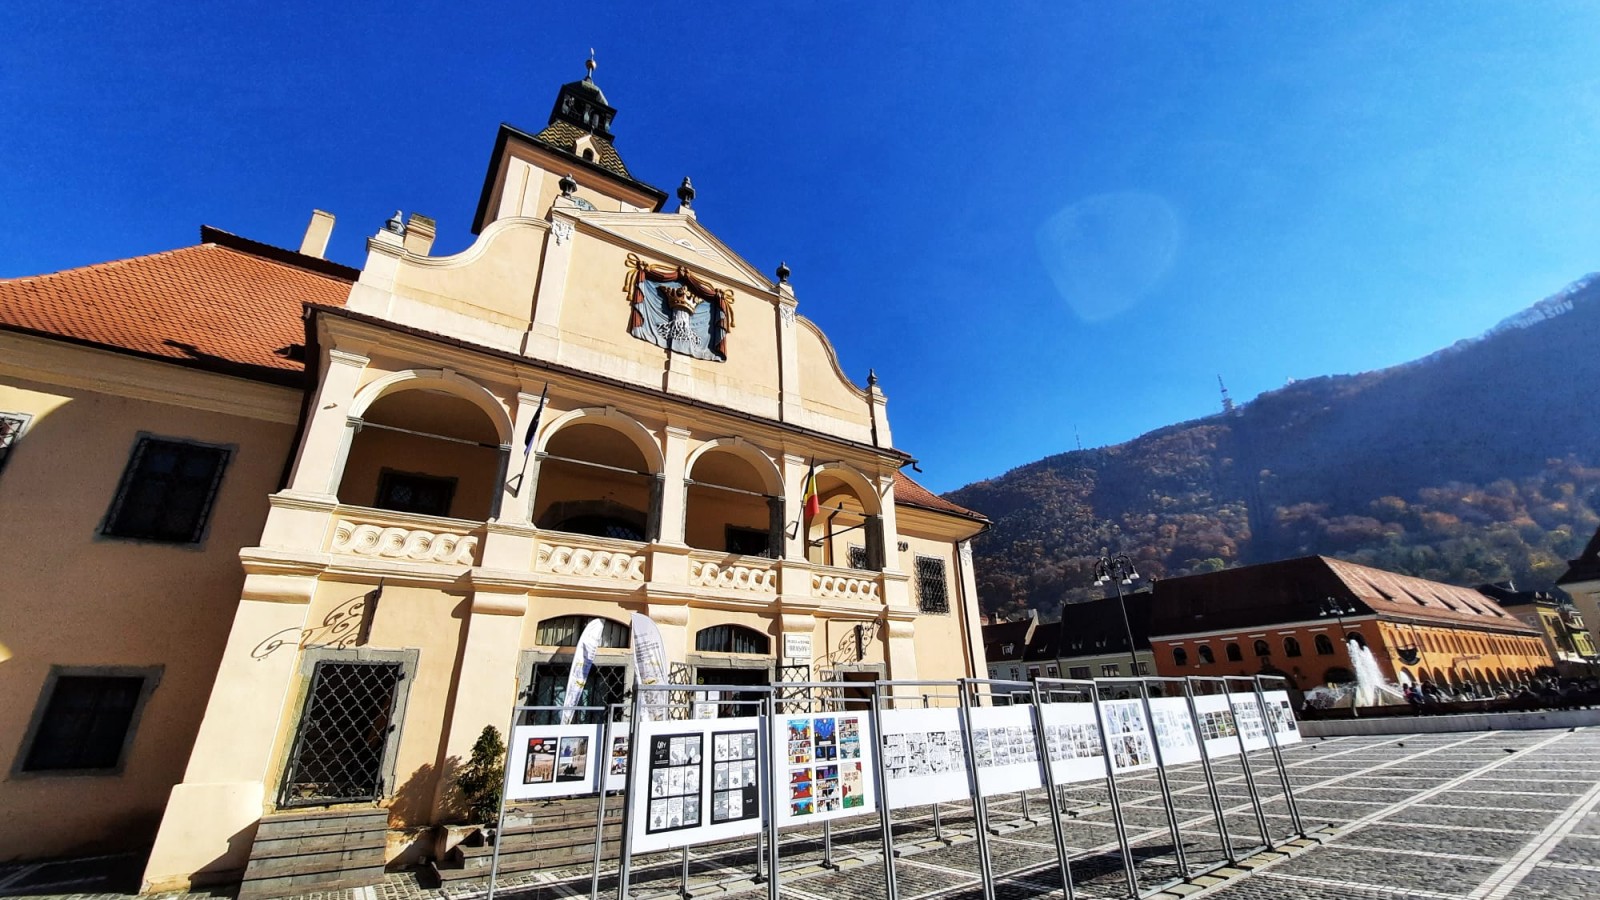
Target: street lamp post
1119,570
1339,608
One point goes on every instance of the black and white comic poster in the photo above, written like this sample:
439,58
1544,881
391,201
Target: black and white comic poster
699,780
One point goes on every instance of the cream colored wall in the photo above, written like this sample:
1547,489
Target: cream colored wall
940,643
560,482
710,511
826,390
490,279
74,598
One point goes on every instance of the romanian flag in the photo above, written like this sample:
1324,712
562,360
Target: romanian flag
811,502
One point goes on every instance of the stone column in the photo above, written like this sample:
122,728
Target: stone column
487,683
211,817
794,485
899,646
543,340
319,463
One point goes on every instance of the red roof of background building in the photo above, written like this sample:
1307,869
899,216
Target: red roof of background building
227,304
908,492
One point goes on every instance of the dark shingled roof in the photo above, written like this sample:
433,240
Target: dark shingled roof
1095,628
564,136
999,634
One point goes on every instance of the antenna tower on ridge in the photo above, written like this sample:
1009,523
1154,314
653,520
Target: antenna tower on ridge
1227,402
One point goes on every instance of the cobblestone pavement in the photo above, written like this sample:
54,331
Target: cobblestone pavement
1477,816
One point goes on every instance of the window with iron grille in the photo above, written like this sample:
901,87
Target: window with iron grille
858,557
605,685
167,491
564,631
86,720
932,595
731,639
409,492
11,425
345,732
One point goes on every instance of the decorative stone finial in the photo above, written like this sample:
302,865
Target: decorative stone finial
872,378
396,223
783,273
568,185
686,193
588,66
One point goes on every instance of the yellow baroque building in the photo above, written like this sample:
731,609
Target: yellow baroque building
288,534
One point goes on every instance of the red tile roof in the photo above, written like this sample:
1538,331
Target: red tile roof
227,304
908,493
1412,597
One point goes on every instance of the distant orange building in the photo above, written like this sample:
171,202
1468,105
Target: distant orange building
1294,618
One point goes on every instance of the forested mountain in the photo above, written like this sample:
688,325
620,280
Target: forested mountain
1477,463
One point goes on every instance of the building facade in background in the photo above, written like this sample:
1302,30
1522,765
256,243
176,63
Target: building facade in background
1566,638
289,535
1297,617
1581,581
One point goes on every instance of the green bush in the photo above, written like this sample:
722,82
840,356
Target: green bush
481,778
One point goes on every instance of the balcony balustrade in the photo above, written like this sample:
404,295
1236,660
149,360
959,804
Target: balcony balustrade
740,574
382,534
586,556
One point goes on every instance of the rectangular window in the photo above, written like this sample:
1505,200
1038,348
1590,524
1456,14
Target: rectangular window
86,719
748,541
858,557
344,736
11,425
1078,672
1016,673
932,595
1052,672
1110,671
1144,669
409,492
166,491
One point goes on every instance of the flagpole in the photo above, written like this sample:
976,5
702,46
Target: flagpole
527,440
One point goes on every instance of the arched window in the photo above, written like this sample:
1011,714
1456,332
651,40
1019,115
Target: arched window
1180,656
1233,653
1324,646
1291,647
1263,649
731,639
1355,636
1206,656
563,631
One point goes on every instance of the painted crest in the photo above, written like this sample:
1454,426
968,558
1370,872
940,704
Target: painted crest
678,310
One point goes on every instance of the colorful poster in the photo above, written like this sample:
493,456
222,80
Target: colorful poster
699,780
617,772
552,761
1217,727
825,766
1005,750
1127,735
1280,713
924,757
1072,737
1174,729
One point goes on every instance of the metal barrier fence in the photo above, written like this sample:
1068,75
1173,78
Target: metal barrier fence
713,766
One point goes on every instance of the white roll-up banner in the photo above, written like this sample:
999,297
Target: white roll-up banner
582,662
649,666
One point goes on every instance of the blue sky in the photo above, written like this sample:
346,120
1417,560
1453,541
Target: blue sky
1039,222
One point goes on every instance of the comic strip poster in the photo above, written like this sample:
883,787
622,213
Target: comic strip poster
1174,730
1072,738
1280,715
1217,727
1127,735
1005,749
923,757
699,780
1247,716
825,765
552,761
